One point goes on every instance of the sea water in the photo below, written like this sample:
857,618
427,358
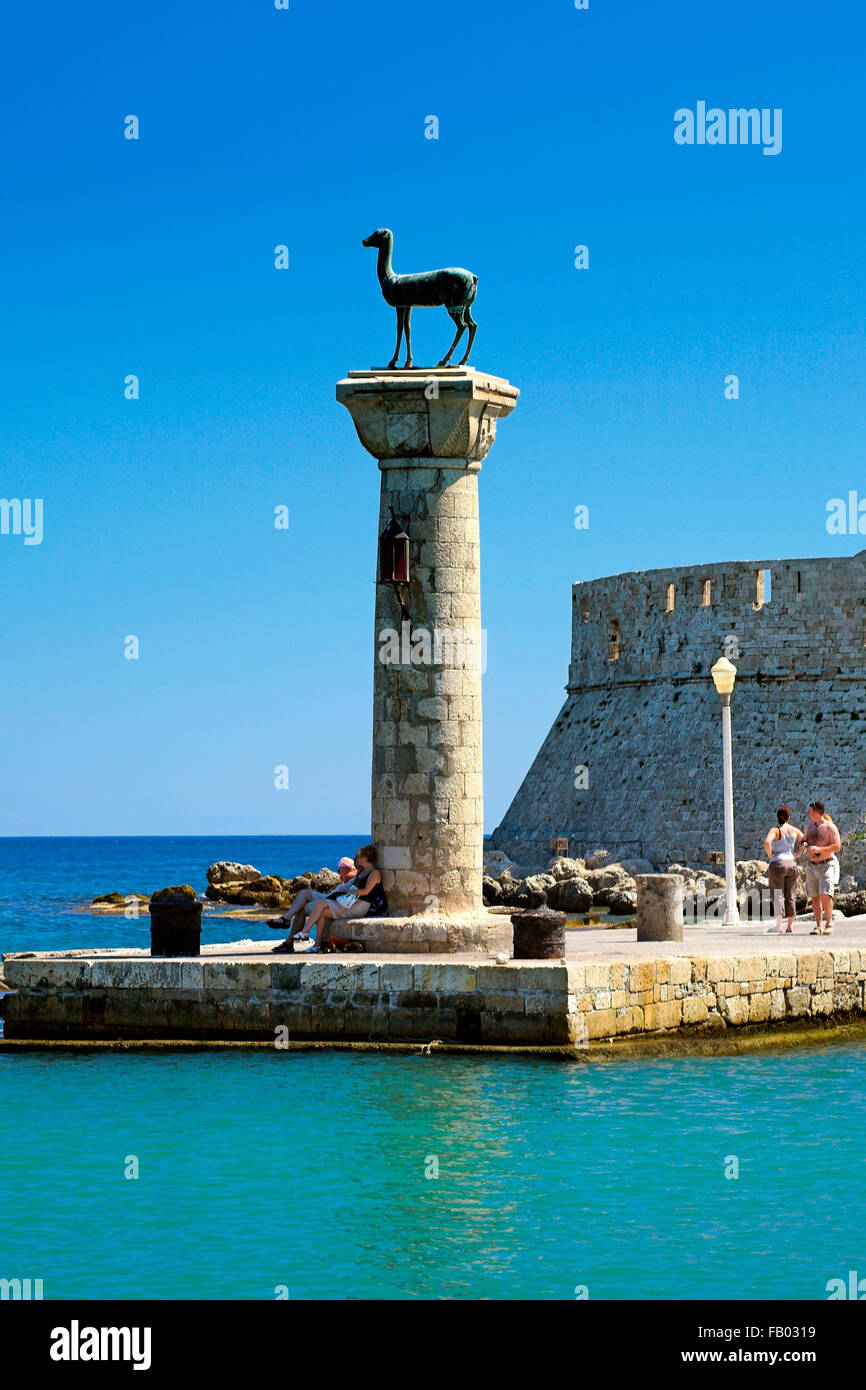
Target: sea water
46,882
309,1175
266,1174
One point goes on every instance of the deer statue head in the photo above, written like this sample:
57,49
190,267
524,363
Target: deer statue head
382,237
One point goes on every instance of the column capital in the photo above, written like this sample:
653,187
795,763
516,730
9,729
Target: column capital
445,413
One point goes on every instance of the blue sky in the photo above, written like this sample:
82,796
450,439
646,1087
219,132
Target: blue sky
306,127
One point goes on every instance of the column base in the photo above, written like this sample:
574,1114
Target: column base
482,933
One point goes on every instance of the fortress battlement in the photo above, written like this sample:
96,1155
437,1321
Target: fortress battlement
773,618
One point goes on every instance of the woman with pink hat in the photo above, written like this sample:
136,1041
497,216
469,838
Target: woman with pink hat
296,917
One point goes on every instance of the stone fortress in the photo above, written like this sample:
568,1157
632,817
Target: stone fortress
633,762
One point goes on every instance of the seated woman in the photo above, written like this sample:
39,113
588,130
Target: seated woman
367,899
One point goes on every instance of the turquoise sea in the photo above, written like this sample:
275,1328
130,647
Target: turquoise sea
308,1170
361,1176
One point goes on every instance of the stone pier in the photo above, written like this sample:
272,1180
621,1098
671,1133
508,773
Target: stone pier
429,432
609,989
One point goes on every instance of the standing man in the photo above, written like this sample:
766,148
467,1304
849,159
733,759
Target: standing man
821,844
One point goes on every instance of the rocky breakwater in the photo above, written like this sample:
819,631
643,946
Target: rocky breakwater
577,886
572,885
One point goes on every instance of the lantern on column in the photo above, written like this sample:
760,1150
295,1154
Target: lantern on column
394,561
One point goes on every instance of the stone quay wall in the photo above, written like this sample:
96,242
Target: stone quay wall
521,1003
350,999
709,994
633,762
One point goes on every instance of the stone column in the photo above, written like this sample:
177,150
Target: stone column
659,907
429,431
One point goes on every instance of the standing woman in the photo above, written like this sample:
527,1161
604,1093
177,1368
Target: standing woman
780,845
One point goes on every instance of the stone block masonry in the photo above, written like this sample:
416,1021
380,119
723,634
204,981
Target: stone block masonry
700,994
642,717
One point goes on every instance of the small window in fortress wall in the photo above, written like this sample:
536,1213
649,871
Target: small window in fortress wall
763,588
613,654
706,593
669,598
586,608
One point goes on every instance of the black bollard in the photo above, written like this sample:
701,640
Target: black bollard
175,925
539,933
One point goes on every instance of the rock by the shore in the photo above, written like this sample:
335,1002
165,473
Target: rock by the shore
491,892
693,877
539,883
637,866
227,871
622,902
598,859
265,891
324,881
611,879
748,871
511,889
562,867
180,890
115,903
495,861
570,895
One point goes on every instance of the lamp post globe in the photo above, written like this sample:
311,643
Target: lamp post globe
724,673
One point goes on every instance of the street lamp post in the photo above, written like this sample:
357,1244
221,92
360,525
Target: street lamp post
724,674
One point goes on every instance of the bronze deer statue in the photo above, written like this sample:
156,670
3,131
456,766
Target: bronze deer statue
453,287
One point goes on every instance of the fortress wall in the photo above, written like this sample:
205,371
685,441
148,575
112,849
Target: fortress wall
642,716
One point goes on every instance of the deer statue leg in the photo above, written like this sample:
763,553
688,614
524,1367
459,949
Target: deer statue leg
401,317
473,328
457,316
407,317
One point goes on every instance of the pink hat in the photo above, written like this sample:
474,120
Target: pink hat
346,863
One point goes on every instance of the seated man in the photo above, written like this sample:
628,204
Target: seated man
302,903
365,898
